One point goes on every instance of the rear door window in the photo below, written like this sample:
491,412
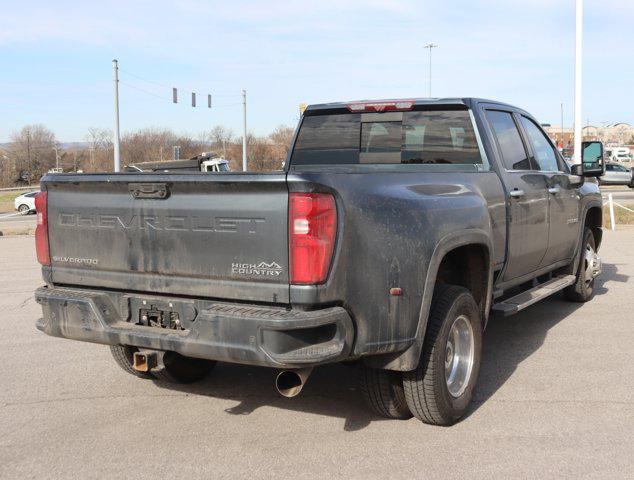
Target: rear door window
509,140
413,137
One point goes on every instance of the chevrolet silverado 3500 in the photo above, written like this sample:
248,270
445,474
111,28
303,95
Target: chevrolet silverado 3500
397,228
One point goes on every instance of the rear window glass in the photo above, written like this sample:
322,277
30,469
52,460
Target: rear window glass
424,137
331,139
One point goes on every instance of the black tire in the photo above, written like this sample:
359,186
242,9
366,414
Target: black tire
181,369
582,290
123,355
426,389
24,209
383,392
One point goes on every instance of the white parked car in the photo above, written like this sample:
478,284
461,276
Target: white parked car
25,203
616,174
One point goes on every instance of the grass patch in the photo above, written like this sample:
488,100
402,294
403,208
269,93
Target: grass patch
6,198
4,231
621,216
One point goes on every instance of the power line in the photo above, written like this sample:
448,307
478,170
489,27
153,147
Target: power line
144,79
147,92
144,91
139,77
174,100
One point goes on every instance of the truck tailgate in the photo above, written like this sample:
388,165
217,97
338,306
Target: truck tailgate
221,236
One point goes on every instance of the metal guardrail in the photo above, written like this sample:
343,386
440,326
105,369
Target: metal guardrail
611,204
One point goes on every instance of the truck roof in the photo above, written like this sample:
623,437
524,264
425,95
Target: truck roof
467,101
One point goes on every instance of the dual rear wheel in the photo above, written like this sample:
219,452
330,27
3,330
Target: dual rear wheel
440,389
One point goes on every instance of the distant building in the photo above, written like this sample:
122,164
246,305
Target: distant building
616,134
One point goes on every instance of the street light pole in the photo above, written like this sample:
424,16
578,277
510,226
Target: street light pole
244,134
117,160
430,46
578,75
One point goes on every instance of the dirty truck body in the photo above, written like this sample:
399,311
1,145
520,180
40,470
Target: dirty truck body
342,256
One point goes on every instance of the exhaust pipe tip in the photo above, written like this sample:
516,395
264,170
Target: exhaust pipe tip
290,382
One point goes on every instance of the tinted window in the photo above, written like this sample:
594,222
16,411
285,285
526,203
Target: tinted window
429,137
511,146
439,137
543,150
378,137
328,139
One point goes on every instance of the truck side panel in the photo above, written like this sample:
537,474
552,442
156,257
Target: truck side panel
389,227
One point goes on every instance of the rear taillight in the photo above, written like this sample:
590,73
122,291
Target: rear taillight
41,229
312,226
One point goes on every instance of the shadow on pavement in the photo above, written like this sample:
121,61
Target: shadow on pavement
332,390
511,340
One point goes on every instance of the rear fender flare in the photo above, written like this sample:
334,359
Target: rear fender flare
584,214
408,359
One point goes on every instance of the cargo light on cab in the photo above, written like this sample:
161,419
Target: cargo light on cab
391,106
312,227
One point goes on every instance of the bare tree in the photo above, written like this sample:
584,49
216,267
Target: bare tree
9,172
219,137
281,139
32,150
99,155
259,154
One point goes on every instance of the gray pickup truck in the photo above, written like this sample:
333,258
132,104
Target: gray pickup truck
395,231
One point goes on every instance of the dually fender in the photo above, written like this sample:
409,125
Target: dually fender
584,213
408,359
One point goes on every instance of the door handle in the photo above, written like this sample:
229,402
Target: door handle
554,190
517,193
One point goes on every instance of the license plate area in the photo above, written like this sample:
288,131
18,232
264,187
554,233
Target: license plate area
153,317
156,313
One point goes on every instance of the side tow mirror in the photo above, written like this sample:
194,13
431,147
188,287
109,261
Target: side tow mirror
591,160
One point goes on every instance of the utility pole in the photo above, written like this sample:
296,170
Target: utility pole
244,135
430,46
117,137
28,146
578,73
562,126
56,158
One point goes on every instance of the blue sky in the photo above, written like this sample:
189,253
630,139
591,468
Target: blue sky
56,58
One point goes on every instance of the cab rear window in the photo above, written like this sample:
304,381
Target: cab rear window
414,137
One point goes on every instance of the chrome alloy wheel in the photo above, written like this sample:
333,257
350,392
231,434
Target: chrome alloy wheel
592,264
459,354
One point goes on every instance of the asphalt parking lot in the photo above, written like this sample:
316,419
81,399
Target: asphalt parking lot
555,399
